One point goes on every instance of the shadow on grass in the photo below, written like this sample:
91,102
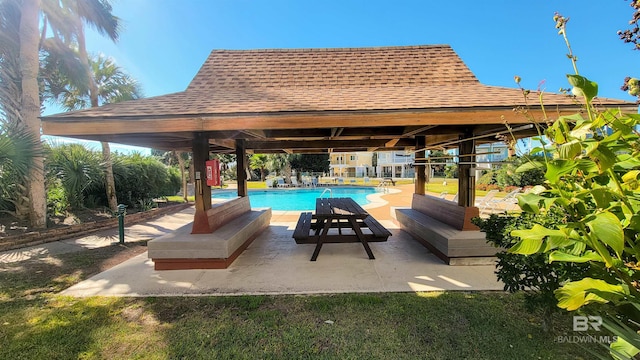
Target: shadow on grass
448,325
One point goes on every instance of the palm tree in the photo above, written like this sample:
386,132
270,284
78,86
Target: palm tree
65,19
30,107
97,14
258,161
110,85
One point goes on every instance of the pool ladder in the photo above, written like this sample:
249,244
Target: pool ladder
383,186
327,190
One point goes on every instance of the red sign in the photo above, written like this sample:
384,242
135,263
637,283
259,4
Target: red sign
213,172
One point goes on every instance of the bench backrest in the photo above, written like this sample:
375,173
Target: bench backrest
222,213
446,211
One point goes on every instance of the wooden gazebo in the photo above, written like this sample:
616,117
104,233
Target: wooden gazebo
320,100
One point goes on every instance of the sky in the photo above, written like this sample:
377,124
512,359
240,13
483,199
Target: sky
163,43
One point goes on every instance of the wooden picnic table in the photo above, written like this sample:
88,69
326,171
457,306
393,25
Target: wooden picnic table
340,213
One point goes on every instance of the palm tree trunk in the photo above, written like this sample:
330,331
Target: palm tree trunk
110,183
30,109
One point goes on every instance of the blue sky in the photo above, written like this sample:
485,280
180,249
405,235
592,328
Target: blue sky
163,43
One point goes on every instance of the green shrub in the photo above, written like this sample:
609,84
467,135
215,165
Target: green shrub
451,172
532,274
57,203
487,178
77,169
507,175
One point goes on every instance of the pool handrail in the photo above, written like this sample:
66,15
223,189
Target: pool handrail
326,190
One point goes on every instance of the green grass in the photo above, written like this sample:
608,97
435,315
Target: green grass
35,323
180,199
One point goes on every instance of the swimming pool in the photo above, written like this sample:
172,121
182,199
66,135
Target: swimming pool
296,199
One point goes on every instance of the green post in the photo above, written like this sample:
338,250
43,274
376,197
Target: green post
121,212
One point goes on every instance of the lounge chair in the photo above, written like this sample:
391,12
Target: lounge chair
340,181
508,202
281,183
486,201
366,180
314,181
294,181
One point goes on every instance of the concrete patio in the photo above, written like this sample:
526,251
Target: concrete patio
275,264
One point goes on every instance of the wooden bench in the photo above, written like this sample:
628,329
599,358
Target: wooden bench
233,224
306,231
446,229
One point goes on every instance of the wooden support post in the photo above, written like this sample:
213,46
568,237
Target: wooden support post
421,175
466,182
241,168
200,149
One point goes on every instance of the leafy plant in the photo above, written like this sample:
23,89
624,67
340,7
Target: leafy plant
531,274
77,169
507,175
592,172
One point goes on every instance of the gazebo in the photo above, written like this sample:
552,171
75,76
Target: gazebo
321,100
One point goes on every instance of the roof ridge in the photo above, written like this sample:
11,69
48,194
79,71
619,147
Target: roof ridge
338,49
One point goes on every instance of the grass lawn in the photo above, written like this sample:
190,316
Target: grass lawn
36,323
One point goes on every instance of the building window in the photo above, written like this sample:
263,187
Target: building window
353,157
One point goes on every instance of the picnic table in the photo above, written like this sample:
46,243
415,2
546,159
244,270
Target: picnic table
340,213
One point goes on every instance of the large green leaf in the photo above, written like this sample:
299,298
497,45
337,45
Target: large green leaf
570,149
530,202
630,176
575,294
608,229
530,165
583,86
557,168
531,239
602,196
604,157
564,257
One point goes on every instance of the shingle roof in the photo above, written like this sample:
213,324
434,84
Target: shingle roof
292,80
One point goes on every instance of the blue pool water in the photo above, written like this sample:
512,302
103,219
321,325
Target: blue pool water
296,199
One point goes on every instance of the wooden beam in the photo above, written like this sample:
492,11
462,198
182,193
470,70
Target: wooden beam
226,143
391,143
421,175
466,183
323,144
67,126
413,130
241,168
203,192
259,134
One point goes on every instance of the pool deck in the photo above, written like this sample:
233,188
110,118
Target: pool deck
275,264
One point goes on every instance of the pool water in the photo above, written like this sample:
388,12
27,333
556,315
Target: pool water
296,199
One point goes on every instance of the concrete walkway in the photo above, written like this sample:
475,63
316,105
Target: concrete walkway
137,232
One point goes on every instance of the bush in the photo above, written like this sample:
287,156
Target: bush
532,274
487,178
77,170
507,175
451,171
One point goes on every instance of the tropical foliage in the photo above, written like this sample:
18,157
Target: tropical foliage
592,177
75,178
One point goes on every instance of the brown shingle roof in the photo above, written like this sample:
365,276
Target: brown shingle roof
333,68
288,80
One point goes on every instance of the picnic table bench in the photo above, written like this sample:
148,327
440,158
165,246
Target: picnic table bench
340,213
